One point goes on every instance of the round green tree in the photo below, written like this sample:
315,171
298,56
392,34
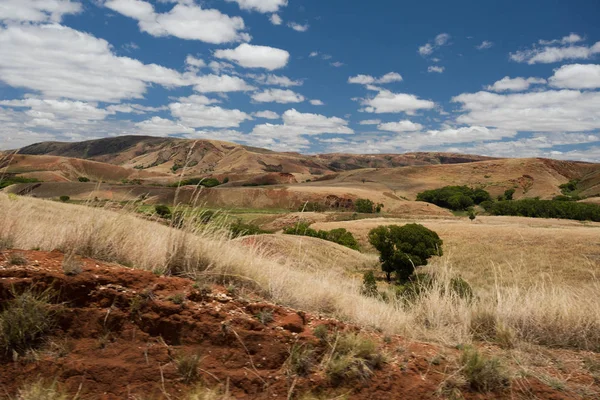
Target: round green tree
403,248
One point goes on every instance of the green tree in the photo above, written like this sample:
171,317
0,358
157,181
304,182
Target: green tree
403,248
162,211
64,199
472,215
508,194
83,179
364,206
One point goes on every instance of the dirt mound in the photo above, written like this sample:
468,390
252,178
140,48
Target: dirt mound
120,334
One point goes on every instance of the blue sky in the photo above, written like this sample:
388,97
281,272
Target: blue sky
500,78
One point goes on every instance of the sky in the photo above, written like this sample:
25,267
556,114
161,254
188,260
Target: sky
499,78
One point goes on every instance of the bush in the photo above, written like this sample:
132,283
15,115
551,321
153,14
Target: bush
13,180
353,357
546,209
419,284
41,390
239,228
83,179
301,360
457,198
340,236
571,186
64,199
187,366
162,211
369,285
24,321
364,206
482,373
403,248
226,179
508,194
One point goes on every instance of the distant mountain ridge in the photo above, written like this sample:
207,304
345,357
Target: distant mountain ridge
163,155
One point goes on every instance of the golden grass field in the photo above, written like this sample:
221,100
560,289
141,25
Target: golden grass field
537,311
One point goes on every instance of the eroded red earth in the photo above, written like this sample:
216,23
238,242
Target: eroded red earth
120,331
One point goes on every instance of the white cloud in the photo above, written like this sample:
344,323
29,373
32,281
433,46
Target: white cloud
275,19
221,84
53,112
128,108
198,99
298,27
514,84
436,69
551,51
484,45
400,126
337,64
548,111
62,62
388,102
576,76
570,39
278,96
370,122
275,80
251,56
37,10
368,79
198,115
194,63
426,49
157,126
266,115
313,54
289,135
317,102
262,6
440,40
189,22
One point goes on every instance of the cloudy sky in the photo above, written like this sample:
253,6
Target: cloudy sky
503,78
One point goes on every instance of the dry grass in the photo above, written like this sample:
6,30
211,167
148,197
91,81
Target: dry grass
546,313
42,390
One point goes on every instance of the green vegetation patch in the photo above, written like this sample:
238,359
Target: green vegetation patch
454,197
535,208
339,236
13,180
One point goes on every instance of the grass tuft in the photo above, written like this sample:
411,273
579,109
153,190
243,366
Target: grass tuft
71,266
17,259
41,390
187,366
483,374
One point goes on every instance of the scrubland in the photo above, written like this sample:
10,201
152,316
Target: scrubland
537,310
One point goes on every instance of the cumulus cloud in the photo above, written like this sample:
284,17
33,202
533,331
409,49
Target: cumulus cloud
484,45
266,114
185,21
57,113
251,56
388,102
198,115
547,111
262,6
221,84
440,40
275,80
37,10
576,76
62,62
400,126
515,84
436,69
317,102
370,122
157,126
552,51
368,79
298,27
278,96
275,19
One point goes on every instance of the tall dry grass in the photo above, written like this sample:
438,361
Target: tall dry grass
547,314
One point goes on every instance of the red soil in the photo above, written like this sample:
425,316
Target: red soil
107,349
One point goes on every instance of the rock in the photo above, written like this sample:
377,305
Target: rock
292,323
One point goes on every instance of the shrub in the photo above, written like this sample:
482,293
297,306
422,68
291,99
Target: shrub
508,194
239,228
369,285
24,321
482,373
419,284
571,186
71,266
457,198
265,316
340,236
187,366
353,356
365,206
177,298
225,180
17,259
162,211
301,359
546,209
64,199
472,215
403,248
41,390
13,180
83,179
